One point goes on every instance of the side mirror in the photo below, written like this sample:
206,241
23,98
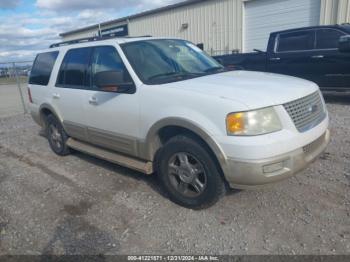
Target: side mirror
344,43
220,61
113,81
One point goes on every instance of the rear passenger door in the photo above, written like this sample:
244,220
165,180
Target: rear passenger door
70,92
113,118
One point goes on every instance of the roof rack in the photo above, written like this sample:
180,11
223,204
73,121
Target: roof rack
93,39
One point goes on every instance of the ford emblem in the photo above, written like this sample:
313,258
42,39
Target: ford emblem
313,108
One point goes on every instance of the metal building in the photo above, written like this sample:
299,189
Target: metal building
223,26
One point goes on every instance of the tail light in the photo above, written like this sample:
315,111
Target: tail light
30,96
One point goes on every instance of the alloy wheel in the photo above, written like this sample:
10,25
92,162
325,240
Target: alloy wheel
187,174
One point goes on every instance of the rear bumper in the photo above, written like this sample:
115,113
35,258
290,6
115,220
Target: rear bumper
254,173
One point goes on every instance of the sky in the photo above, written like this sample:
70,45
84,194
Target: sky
27,26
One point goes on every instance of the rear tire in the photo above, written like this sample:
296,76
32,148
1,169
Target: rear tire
56,136
189,174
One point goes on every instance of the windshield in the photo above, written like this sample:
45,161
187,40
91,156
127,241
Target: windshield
168,60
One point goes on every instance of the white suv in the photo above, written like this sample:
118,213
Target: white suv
163,105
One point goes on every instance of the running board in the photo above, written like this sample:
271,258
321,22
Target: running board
122,160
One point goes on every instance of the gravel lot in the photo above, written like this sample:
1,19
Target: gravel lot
81,205
10,99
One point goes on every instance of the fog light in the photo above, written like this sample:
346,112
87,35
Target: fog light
273,167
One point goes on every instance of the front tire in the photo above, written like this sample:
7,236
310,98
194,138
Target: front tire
189,173
56,136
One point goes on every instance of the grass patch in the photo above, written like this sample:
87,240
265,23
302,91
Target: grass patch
12,80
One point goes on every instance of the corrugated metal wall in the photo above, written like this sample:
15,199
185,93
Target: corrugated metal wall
335,12
216,23
343,11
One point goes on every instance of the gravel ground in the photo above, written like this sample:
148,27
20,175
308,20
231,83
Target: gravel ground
10,99
81,205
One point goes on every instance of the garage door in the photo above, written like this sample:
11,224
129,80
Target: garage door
265,16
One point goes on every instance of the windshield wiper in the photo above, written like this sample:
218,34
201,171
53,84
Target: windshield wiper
215,69
174,74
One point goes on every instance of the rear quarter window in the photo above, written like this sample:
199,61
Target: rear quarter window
42,68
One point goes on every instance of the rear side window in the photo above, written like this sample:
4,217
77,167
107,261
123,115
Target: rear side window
74,69
296,41
328,38
42,68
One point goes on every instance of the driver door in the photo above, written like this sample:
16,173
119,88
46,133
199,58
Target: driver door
112,117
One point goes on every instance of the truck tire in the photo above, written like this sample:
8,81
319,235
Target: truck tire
56,136
189,174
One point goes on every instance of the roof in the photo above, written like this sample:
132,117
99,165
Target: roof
345,27
126,18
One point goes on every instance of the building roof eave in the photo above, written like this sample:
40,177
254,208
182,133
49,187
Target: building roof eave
126,18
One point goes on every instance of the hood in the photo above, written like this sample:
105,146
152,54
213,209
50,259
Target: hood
254,89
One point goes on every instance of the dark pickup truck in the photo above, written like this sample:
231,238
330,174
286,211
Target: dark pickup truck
320,54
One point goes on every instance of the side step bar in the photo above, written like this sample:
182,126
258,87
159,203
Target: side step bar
122,160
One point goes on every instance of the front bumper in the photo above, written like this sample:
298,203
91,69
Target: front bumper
254,173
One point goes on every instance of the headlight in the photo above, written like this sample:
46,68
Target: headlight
253,123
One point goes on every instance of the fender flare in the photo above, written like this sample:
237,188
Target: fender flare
152,142
52,110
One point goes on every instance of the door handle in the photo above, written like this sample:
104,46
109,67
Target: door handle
317,56
93,100
275,59
56,95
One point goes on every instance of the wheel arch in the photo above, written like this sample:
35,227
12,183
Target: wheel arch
167,128
44,111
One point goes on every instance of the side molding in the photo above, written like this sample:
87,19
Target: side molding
113,141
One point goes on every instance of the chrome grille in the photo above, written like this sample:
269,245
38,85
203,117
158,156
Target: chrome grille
306,112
